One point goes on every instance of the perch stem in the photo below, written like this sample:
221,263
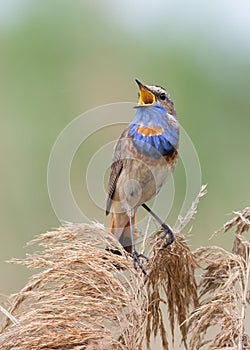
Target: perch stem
245,283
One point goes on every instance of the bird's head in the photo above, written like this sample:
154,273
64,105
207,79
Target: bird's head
149,94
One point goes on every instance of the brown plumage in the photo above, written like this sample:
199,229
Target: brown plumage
144,157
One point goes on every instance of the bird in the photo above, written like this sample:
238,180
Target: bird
144,157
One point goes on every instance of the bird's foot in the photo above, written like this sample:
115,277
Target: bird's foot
136,261
167,232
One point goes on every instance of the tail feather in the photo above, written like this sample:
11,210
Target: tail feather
125,239
120,226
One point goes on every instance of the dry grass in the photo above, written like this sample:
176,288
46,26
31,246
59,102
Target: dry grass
171,289
79,300
224,291
84,297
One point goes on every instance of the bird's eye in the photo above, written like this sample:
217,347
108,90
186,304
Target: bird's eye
163,96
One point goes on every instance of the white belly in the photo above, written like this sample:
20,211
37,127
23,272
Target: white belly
140,182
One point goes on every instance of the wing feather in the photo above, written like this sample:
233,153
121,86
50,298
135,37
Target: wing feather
116,167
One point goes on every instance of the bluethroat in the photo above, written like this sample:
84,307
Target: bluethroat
144,157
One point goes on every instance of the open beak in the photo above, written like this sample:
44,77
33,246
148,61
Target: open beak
146,97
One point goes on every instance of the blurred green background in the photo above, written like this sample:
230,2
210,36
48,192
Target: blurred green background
61,58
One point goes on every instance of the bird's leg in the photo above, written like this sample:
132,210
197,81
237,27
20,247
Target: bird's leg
165,227
135,254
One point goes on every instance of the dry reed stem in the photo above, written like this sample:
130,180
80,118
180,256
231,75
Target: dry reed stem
171,289
224,291
171,286
84,297
183,221
79,300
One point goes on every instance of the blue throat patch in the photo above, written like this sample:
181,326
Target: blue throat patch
151,132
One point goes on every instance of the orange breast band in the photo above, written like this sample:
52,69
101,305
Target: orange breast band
150,130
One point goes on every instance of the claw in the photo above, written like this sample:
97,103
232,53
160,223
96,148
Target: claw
137,262
169,232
